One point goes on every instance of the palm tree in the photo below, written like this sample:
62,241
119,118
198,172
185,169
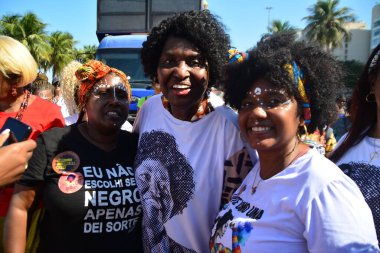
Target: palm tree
62,53
9,25
326,24
30,31
279,26
86,53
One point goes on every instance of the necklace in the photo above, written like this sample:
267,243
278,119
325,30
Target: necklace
301,153
254,187
375,154
23,105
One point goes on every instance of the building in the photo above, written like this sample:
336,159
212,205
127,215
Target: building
375,26
358,48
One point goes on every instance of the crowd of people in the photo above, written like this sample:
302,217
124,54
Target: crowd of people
235,152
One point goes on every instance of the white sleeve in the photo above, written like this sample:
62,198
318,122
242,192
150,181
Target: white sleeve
339,220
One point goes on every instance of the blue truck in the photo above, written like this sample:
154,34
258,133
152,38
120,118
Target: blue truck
122,27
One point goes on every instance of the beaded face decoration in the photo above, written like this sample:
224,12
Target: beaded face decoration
115,89
266,99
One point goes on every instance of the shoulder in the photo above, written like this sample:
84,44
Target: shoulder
51,111
322,168
148,112
358,152
320,174
57,132
152,100
54,137
45,104
228,115
150,105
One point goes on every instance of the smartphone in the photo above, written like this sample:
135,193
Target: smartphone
19,131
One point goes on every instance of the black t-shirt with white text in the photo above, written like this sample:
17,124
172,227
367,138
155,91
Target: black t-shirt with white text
90,196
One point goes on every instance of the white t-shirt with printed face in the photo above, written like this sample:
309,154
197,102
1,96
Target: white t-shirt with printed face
362,163
196,164
311,206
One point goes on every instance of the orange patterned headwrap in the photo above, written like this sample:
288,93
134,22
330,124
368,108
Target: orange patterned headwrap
90,73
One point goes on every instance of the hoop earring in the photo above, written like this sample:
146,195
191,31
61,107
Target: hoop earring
302,132
370,98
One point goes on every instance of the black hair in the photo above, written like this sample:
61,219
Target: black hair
362,112
201,28
322,73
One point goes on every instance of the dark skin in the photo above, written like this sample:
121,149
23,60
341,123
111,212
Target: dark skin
105,116
183,77
269,122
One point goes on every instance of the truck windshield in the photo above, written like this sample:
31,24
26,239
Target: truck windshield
128,61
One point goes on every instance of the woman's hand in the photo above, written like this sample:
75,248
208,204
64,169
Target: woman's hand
13,158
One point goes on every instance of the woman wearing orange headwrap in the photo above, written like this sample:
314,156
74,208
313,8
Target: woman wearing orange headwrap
84,173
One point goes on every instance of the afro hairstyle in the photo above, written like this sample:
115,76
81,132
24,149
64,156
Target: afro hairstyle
201,28
322,74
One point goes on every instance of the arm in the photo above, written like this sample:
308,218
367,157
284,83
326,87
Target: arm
15,226
240,159
13,159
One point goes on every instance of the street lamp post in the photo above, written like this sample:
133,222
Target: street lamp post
268,8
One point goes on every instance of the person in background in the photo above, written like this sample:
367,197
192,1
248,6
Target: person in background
57,88
69,86
17,70
186,55
42,88
84,173
358,151
294,199
13,158
58,99
342,123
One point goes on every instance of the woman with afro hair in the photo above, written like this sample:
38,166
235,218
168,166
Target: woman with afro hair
186,54
294,199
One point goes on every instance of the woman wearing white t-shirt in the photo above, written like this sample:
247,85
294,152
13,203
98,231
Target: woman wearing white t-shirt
358,152
294,199
186,126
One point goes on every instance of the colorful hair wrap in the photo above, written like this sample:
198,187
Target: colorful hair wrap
235,55
297,74
91,72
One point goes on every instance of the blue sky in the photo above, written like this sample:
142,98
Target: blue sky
245,20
